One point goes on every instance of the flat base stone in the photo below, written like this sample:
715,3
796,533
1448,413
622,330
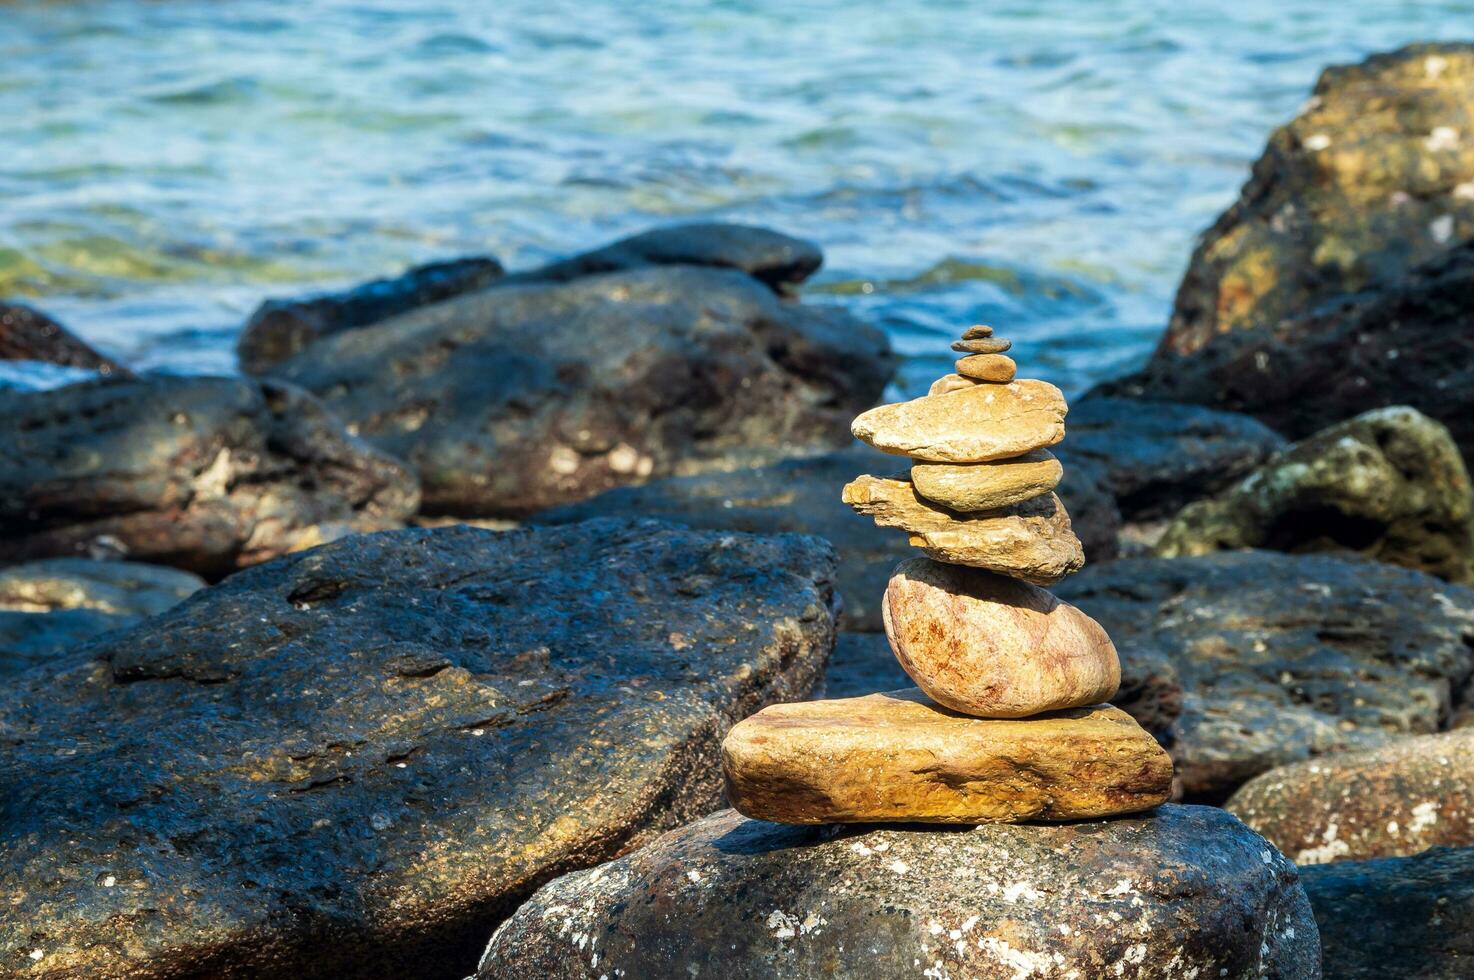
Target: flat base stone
1184,892
900,758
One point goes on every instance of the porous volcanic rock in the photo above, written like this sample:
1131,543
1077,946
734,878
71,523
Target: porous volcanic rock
1397,799
521,397
207,474
1180,892
27,334
356,760
281,327
1284,657
1406,918
1389,484
994,647
1158,456
1369,180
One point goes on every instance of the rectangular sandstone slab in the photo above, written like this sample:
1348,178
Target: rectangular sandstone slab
900,758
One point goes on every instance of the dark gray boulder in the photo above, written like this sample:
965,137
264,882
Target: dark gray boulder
355,761
1409,918
1158,456
1183,891
1284,657
281,327
207,474
27,334
522,397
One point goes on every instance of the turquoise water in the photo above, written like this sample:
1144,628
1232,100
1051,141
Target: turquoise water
1043,166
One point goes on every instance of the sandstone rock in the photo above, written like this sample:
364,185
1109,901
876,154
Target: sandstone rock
1368,181
1159,456
950,382
969,425
1284,657
357,760
1389,484
993,368
899,758
30,335
1400,798
1396,918
982,345
504,406
987,486
281,328
992,647
1406,342
1185,891
1032,540
207,474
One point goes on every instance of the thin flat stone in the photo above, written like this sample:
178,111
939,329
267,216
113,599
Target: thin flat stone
1032,540
977,332
949,382
987,486
983,345
992,368
970,425
900,758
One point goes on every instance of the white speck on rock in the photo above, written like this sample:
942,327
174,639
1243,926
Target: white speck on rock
1442,138
1442,228
1425,815
1317,142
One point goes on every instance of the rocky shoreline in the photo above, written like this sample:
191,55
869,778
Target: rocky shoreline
259,721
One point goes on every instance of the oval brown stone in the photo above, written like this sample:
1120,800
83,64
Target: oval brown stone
993,368
992,647
985,486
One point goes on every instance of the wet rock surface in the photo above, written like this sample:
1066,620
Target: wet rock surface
281,328
355,761
1157,456
1396,918
505,404
1368,181
1400,798
1284,657
1389,484
206,474
1159,895
27,334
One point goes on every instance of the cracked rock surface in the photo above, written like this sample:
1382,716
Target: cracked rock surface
354,761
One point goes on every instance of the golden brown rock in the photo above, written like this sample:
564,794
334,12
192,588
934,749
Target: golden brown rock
949,382
977,331
1032,540
987,486
989,646
982,345
899,758
993,368
970,425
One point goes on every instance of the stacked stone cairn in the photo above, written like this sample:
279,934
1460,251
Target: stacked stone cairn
1008,721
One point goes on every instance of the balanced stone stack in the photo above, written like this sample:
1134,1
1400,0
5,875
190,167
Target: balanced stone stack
1008,721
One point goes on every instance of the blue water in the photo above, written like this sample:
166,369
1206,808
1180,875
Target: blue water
1041,165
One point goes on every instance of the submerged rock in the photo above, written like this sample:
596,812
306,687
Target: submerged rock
1396,918
356,760
1368,181
1400,798
281,328
1178,892
207,474
30,335
1284,657
1389,484
521,397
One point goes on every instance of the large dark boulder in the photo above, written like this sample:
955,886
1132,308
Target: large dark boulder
207,474
355,761
27,334
1284,657
1183,891
1406,918
1371,179
1389,484
281,327
517,398
1158,456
